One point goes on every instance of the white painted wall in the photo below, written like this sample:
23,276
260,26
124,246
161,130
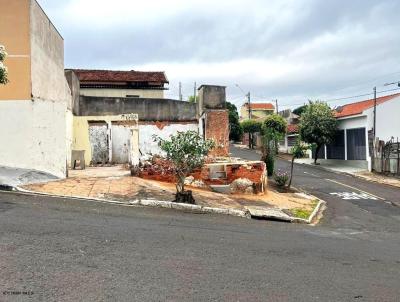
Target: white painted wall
121,93
387,119
33,135
148,146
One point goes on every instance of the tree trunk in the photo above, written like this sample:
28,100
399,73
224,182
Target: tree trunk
184,197
291,173
316,154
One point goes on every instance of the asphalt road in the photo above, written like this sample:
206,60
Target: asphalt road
352,202
73,250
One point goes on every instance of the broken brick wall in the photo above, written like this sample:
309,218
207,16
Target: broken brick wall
217,129
161,170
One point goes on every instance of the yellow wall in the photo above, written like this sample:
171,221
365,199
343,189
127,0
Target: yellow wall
244,113
15,36
81,140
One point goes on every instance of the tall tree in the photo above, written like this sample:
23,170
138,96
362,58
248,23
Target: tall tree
317,125
251,127
236,131
299,110
3,68
273,129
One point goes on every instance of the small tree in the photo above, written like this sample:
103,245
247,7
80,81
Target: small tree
235,129
3,69
251,127
273,129
317,125
186,151
298,151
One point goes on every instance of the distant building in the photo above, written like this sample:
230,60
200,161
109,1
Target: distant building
115,83
258,110
36,103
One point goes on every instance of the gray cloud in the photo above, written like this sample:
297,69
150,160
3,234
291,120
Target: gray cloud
322,46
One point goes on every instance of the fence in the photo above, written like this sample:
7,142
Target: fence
387,157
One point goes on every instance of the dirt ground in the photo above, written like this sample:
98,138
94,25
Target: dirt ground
113,183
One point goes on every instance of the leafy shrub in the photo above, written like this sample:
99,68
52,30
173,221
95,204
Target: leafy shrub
281,178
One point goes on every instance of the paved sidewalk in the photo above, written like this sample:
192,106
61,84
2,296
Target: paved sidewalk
97,183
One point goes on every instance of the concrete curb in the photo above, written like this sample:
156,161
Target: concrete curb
149,203
178,206
315,212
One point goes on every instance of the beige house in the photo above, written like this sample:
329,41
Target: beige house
258,110
114,83
36,102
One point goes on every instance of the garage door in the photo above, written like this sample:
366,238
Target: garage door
356,146
336,149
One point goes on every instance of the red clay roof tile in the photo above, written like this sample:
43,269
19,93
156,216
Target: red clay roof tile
261,106
292,128
359,107
88,75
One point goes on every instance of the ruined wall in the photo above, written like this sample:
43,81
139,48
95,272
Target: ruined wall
164,130
161,170
81,135
146,109
217,129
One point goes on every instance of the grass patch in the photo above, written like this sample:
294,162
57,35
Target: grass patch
300,213
303,213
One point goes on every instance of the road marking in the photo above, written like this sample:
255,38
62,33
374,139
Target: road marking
353,195
354,188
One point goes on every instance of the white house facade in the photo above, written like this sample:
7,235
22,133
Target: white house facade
354,137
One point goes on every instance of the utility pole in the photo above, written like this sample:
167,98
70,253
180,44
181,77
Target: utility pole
250,134
374,114
194,92
248,101
180,91
276,102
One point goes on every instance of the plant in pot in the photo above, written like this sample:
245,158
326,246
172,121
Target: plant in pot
186,151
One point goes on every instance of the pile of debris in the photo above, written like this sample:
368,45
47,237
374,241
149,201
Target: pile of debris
221,174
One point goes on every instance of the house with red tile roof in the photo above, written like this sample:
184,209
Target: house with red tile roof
120,83
356,129
258,110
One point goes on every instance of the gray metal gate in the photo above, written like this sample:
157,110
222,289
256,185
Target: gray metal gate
336,149
356,144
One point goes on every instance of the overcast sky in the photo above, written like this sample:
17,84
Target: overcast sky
290,50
